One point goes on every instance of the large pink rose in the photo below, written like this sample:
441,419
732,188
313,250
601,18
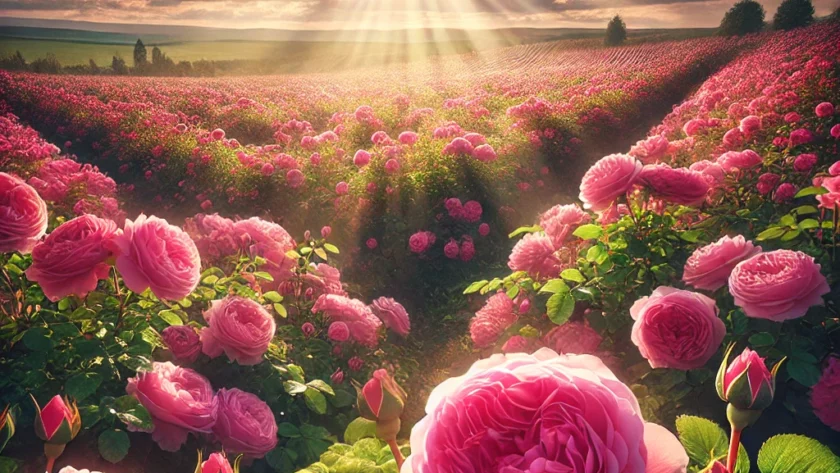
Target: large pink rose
535,254
421,241
151,253
392,314
610,177
543,412
676,329
777,285
650,150
732,161
676,185
72,258
363,324
824,395
23,215
560,221
239,327
270,241
179,400
709,267
183,342
245,424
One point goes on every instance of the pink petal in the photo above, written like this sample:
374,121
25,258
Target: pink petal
665,454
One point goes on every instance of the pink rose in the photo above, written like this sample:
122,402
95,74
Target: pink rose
216,463
713,172
800,137
467,250
750,124
217,134
679,186
270,241
535,254
308,329
295,178
709,267
23,215
824,398
338,332
733,138
245,424
609,178
183,342
408,137
560,221
518,343
179,400
451,249
651,149
547,412
472,211
371,243
767,182
239,327
363,324
784,193
337,377
151,253
342,188
392,166
777,285
492,320
573,337
835,131
392,314
484,153
420,242
834,170
824,110
355,363
361,158
804,162
732,161
484,229
71,260
694,126
676,329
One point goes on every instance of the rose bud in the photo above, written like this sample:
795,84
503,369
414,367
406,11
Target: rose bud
217,463
747,385
56,424
382,400
7,427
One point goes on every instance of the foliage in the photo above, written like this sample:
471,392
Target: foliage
616,32
793,14
745,17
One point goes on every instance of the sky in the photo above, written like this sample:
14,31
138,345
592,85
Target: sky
389,14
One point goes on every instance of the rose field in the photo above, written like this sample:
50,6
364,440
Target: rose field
557,257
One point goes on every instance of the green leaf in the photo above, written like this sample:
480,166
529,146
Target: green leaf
790,235
37,339
521,230
272,296
263,275
513,292
805,210
790,453
331,248
771,233
287,429
358,429
130,411
763,339
808,224
82,385
476,286
113,445
573,275
691,236
316,401
294,387
555,286
705,441
342,398
320,385
8,465
560,307
210,280
280,459
321,253
281,310
813,190
805,373
170,317
589,232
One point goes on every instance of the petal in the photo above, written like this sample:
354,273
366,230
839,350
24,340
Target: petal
665,454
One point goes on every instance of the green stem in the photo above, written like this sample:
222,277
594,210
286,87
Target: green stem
734,444
395,449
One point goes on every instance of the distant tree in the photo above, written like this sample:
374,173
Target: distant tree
157,56
46,65
793,14
13,62
616,32
93,68
118,66
139,54
745,17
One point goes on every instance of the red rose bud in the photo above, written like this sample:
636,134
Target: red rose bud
746,384
7,427
58,422
217,463
382,400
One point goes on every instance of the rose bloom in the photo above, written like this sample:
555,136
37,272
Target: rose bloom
785,192
535,254
609,178
245,424
392,314
777,285
750,124
732,161
484,153
650,150
179,400
151,253
712,171
560,221
267,240
676,329
183,342
804,162
23,215
408,137
518,343
492,320
342,188
338,332
71,260
363,324
767,182
834,170
467,250
679,186
451,249
835,131
824,398
484,229
733,138
573,337
709,267
295,178
420,242
361,158
540,413
800,137
824,110
832,198
239,327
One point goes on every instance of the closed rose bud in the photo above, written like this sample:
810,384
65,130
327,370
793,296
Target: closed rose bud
308,329
381,399
58,422
746,384
337,377
216,463
7,427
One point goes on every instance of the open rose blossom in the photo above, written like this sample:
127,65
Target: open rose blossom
676,185
239,327
392,314
245,424
72,258
179,400
23,215
363,324
183,342
151,253
609,178
535,254
539,413
824,398
560,221
709,267
492,320
676,329
777,285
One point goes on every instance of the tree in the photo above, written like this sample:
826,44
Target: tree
139,54
93,67
747,16
793,14
157,56
616,32
118,66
